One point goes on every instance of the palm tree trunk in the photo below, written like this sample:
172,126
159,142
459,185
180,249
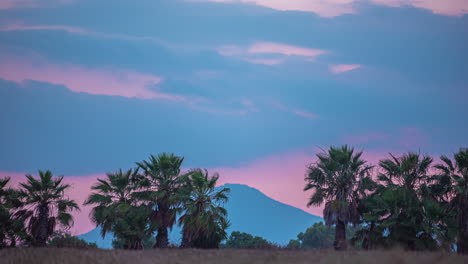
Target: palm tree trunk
185,240
12,241
43,227
162,240
340,236
462,244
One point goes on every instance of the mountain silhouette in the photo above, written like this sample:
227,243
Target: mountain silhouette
250,211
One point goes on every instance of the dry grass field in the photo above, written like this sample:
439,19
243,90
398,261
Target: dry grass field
75,256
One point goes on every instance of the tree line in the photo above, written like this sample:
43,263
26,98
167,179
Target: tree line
406,201
134,205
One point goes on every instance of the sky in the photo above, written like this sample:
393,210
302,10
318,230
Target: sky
251,89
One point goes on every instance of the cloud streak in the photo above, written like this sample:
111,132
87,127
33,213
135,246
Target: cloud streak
10,4
302,113
23,27
341,68
284,49
269,53
114,82
333,8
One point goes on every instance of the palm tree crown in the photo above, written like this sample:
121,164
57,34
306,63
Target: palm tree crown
453,178
162,184
45,206
117,210
204,220
339,178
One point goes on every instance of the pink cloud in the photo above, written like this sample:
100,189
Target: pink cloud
268,62
21,26
443,7
333,8
284,49
340,68
325,8
8,4
88,80
269,53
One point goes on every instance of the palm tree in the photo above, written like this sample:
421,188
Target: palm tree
456,174
204,220
162,190
339,178
405,206
116,209
11,229
44,206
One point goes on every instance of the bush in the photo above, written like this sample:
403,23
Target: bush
65,240
247,241
318,236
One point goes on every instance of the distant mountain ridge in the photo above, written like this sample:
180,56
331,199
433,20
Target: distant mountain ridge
250,211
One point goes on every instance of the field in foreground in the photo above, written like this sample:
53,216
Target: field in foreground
75,256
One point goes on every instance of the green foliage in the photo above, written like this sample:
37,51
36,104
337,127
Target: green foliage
341,180
44,206
147,242
204,220
65,240
12,230
407,206
117,210
404,211
162,189
317,236
247,241
451,187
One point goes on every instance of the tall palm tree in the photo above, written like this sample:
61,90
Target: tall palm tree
162,190
205,219
405,206
116,209
339,178
11,229
456,174
44,206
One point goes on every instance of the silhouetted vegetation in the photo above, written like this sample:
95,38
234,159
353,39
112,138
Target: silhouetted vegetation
247,241
135,206
65,240
406,201
147,242
44,206
318,236
204,220
341,179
